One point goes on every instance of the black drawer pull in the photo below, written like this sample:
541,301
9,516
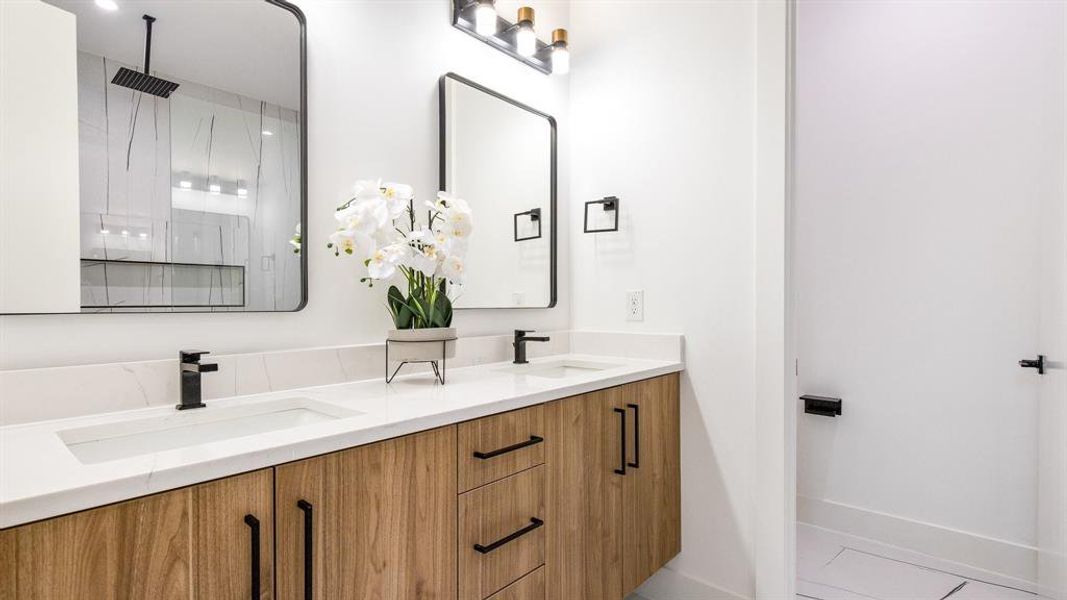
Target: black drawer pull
309,543
253,524
637,437
530,442
534,524
622,441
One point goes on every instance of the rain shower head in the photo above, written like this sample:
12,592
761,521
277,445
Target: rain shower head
143,82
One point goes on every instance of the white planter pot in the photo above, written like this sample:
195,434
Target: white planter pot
410,345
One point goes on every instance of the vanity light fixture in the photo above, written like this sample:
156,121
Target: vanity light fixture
485,17
608,203
525,38
480,19
561,55
107,4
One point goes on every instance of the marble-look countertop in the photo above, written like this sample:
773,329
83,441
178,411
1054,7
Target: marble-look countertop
41,478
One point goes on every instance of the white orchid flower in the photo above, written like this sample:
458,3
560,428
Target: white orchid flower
383,262
452,268
424,260
397,196
458,205
352,242
366,216
458,223
367,188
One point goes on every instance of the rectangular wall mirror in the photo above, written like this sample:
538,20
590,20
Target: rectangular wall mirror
500,156
191,177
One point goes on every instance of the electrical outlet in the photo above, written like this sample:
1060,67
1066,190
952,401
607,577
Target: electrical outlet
635,305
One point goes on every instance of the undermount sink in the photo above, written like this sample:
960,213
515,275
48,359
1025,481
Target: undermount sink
113,441
559,369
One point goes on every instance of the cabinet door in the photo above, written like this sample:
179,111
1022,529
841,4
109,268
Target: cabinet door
233,537
584,523
126,551
189,543
383,521
652,496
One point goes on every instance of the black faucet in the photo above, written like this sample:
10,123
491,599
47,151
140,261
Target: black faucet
190,371
520,344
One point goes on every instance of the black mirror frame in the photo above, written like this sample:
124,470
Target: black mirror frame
553,170
302,20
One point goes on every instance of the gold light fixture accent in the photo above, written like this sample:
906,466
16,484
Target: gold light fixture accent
525,38
561,54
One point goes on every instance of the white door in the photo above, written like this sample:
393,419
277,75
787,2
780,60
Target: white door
929,261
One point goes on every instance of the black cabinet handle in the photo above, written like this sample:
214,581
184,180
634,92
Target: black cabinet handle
534,524
309,543
637,437
253,524
622,441
530,442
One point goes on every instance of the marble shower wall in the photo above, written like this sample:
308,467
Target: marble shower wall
187,203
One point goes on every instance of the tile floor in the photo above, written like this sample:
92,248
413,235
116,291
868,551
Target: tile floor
834,566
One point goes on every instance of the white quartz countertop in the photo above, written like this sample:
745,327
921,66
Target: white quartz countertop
40,477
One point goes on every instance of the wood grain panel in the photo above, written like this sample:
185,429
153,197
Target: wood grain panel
221,539
530,587
491,513
584,539
652,496
304,480
395,508
495,432
127,551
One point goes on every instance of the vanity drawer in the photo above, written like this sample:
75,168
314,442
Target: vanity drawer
501,533
494,447
530,587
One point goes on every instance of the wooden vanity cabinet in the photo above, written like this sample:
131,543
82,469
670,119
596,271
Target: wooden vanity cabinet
196,542
380,521
614,482
576,498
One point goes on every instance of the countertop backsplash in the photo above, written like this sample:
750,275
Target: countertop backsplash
60,392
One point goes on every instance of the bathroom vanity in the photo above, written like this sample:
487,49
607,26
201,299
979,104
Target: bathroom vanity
558,479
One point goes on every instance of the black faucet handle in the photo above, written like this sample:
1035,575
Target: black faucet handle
191,356
209,367
522,332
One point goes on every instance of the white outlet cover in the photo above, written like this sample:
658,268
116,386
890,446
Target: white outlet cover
635,305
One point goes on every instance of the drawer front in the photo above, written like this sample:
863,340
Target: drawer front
494,447
530,587
501,533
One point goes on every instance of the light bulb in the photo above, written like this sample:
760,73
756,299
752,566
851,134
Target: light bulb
242,192
267,132
214,188
526,40
185,184
561,60
107,4
485,19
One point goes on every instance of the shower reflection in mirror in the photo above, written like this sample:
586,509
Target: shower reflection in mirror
190,170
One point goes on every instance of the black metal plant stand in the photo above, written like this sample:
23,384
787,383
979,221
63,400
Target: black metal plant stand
438,364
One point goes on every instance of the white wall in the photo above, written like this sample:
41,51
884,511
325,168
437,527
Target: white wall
38,160
664,113
372,88
929,135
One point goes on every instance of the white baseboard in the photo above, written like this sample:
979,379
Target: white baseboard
667,584
1017,562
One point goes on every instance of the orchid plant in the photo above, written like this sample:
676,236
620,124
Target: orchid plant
379,226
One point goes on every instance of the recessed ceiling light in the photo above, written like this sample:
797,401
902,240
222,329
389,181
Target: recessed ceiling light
124,232
143,235
268,132
185,184
104,231
107,4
